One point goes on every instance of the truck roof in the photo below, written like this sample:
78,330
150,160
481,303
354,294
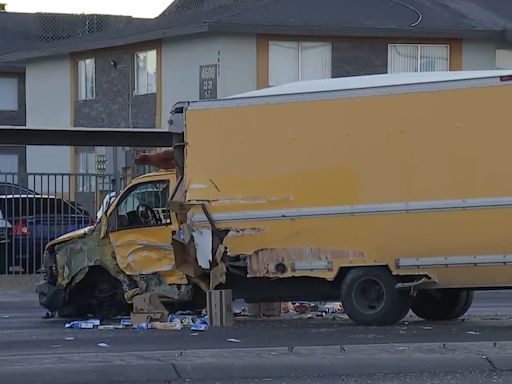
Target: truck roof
372,81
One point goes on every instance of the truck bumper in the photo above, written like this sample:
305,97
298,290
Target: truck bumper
50,296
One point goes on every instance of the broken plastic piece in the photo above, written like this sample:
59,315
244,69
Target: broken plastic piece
233,340
141,326
201,324
81,324
126,322
171,326
111,326
103,345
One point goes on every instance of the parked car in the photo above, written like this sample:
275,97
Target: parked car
30,221
7,188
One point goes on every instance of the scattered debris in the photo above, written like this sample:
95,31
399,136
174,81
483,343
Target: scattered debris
141,326
127,322
233,340
194,334
48,315
243,311
199,327
55,346
170,326
305,308
6,316
473,333
111,326
69,338
83,324
427,327
103,345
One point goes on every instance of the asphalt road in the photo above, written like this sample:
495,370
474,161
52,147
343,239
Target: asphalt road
479,346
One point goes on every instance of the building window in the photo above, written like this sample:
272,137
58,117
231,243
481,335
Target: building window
291,61
8,94
145,72
418,58
504,59
86,79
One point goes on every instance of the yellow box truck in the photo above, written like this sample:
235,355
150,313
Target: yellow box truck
390,192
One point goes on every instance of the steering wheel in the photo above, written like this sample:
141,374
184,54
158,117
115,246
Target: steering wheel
146,214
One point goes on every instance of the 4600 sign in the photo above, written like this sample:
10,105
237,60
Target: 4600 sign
208,81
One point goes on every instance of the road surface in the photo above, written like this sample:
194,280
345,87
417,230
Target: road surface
477,347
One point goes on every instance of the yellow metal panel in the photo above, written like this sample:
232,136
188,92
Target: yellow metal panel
406,147
146,250
424,146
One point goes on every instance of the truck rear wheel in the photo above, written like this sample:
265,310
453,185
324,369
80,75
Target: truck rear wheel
442,304
369,297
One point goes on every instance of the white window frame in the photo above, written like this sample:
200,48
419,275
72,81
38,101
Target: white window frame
13,104
148,87
86,75
418,68
299,57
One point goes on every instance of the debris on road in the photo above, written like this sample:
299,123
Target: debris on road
141,326
103,345
169,326
233,340
473,333
49,315
69,338
83,324
111,326
200,324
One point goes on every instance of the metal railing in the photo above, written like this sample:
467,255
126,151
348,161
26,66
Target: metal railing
36,208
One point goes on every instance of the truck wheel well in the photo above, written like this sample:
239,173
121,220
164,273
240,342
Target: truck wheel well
98,292
343,271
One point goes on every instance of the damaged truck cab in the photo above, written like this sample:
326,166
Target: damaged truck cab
99,269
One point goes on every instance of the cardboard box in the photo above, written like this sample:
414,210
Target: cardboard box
147,317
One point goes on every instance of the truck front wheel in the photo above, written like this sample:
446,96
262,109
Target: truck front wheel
442,304
369,297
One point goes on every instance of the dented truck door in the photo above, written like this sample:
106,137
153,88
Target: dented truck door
140,228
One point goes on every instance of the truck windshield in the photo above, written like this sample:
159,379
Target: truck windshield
105,205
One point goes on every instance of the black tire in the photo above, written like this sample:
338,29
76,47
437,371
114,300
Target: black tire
369,297
442,304
98,294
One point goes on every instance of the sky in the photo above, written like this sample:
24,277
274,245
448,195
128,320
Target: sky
136,8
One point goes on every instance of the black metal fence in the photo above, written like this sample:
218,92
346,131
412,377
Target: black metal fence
38,207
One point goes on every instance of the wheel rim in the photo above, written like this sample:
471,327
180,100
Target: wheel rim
369,295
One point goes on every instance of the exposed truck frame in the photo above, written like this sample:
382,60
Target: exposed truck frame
388,191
